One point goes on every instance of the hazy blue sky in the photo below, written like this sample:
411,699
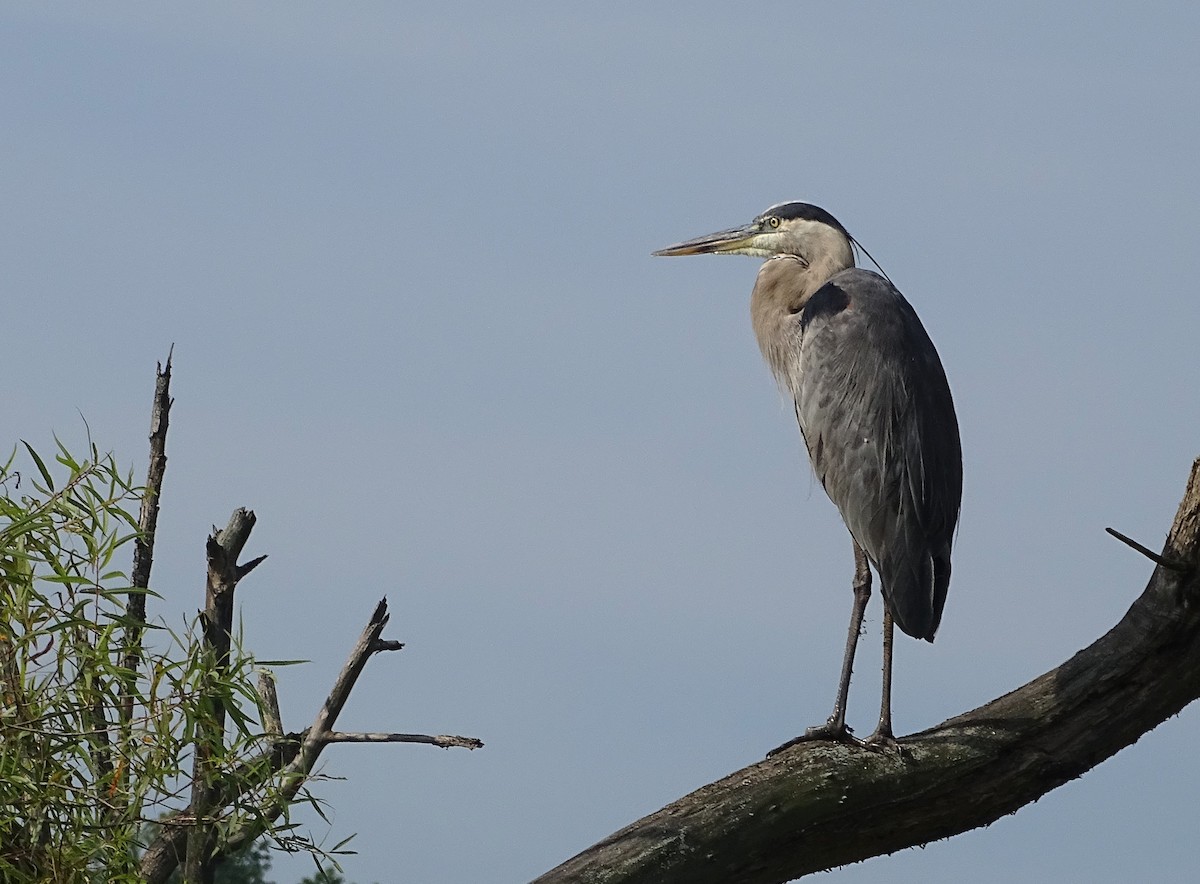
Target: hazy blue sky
403,252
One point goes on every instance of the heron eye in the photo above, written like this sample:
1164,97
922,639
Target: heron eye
772,222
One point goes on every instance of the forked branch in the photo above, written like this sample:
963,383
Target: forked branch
223,549
289,762
320,734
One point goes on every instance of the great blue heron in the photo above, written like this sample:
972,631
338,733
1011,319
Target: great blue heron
875,412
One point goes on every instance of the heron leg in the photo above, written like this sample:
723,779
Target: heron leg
835,727
883,735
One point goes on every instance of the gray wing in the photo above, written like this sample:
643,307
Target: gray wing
877,417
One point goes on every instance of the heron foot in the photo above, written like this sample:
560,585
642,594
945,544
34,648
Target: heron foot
883,740
831,731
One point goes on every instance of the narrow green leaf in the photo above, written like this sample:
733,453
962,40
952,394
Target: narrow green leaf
40,465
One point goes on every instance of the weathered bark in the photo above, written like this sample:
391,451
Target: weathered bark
135,604
223,549
821,805
143,549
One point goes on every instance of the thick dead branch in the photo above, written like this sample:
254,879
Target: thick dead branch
821,805
223,549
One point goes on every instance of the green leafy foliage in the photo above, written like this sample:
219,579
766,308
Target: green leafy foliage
68,783
91,748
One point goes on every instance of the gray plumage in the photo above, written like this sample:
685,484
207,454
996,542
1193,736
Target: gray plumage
874,408
875,411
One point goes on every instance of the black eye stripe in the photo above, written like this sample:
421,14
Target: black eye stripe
807,212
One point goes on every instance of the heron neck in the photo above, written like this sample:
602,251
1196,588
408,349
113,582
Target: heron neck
820,270
783,287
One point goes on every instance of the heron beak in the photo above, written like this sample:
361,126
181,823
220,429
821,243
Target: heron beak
733,240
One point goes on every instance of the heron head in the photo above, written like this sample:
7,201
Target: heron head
801,229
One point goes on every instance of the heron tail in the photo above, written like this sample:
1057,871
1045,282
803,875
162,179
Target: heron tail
914,590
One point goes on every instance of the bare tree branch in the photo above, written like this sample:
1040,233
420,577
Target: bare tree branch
113,771
143,551
316,738
444,741
291,759
1181,567
189,838
143,560
821,805
224,572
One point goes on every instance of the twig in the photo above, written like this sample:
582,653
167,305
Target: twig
292,758
143,550
312,742
143,560
316,738
444,741
1170,564
366,645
